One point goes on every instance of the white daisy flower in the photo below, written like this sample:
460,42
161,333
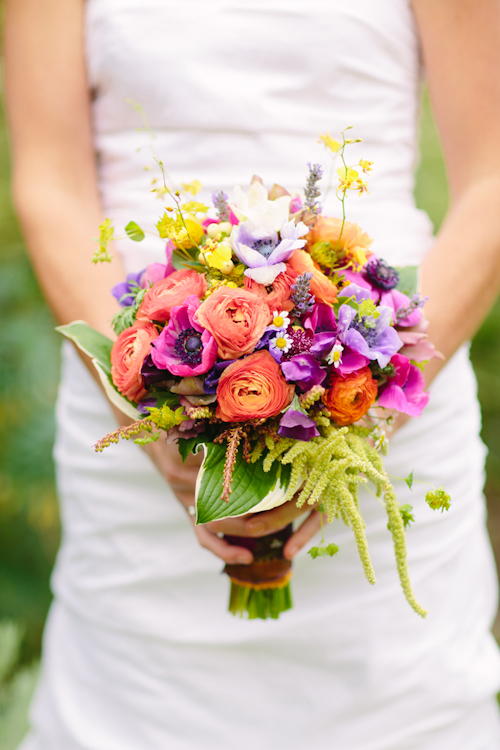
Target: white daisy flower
280,322
334,357
281,343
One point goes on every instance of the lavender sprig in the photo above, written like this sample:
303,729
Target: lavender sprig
416,302
219,199
312,191
301,295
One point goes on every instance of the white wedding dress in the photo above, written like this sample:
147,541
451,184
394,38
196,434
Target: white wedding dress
140,652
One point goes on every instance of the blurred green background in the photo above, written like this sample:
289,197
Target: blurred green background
29,363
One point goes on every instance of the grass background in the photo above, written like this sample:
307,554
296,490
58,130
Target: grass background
29,364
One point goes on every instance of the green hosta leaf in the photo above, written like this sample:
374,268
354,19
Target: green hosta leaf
93,343
134,231
251,484
98,347
409,480
408,280
323,550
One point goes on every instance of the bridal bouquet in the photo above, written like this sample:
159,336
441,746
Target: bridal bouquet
274,341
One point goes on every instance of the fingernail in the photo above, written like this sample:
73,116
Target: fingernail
255,527
243,559
291,552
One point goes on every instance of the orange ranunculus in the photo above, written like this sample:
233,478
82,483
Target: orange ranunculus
350,397
353,244
278,296
127,356
252,387
171,292
323,289
236,318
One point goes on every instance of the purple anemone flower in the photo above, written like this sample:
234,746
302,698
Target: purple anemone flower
263,251
297,425
378,340
405,389
392,298
183,347
123,291
305,370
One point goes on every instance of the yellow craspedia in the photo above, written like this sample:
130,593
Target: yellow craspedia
189,234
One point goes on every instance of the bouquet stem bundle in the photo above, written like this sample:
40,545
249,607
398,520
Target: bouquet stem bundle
262,589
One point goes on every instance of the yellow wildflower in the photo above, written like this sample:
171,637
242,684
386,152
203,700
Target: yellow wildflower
192,187
217,255
330,143
185,232
366,165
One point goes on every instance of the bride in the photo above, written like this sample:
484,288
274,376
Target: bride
139,653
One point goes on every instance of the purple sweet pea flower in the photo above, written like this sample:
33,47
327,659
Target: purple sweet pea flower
305,370
183,347
322,318
213,377
144,404
125,288
379,342
263,251
405,389
297,425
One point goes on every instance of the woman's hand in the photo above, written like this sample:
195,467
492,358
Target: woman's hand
182,479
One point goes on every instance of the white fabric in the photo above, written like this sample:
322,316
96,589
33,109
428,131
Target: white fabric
140,653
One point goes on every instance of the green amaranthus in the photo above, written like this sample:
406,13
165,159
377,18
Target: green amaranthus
335,464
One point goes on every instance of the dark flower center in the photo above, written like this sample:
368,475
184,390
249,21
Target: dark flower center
382,275
264,247
369,334
188,346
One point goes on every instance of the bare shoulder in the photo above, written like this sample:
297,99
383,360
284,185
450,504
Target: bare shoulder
460,42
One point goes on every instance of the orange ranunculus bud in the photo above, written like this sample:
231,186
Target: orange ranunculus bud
171,292
323,289
350,397
236,318
127,356
252,387
277,295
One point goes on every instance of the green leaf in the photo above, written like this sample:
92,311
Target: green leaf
147,439
91,342
251,485
409,480
164,398
98,347
188,445
178,262
407,514
323,550
408,280
134,231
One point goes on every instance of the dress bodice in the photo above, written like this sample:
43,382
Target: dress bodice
232,89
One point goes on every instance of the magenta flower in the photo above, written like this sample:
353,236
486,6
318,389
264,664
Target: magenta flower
390,297
405,389
183,347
